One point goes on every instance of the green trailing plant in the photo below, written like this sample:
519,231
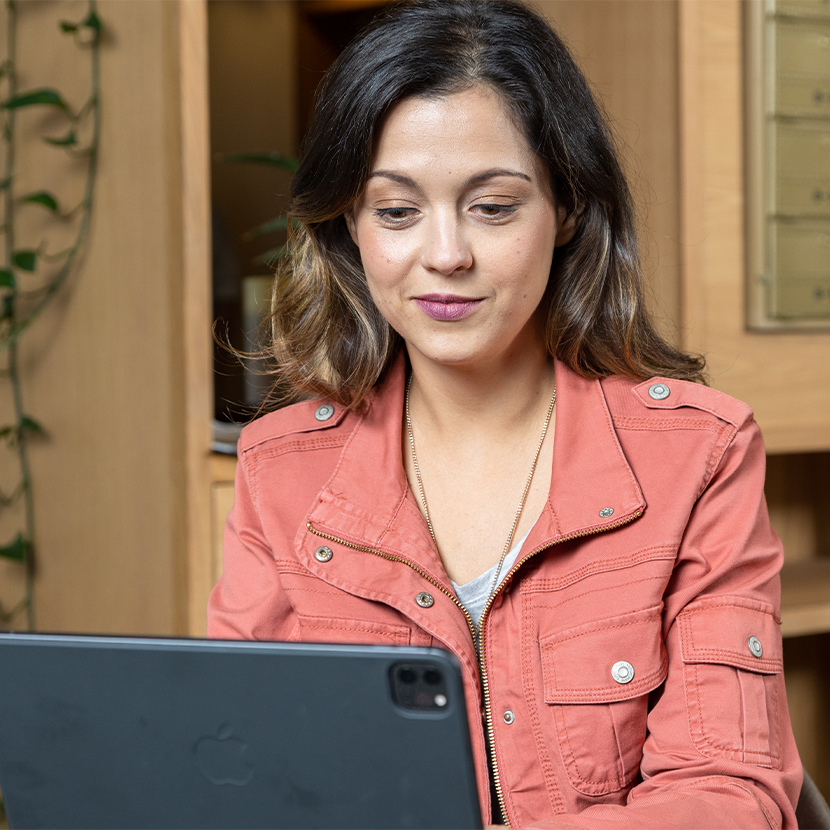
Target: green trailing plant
30,278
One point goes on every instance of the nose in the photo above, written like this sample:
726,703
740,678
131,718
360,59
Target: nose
445,248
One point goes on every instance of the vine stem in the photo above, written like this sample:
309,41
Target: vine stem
18,326
71,253
14,363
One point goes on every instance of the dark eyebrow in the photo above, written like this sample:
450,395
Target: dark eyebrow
473,180
494,174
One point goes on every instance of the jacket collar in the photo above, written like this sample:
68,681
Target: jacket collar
367,501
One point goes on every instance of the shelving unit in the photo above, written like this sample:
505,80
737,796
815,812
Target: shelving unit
805,598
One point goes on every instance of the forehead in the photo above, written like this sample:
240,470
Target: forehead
459,130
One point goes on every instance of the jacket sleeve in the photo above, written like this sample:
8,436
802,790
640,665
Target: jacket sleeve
719,751
248,602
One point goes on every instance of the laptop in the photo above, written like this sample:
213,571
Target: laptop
128,732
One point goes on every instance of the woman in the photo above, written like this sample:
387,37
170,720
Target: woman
503,458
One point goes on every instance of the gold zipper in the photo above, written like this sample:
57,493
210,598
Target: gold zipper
392,558
485,683
478,636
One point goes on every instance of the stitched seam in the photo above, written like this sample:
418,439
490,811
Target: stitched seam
621,776
718,452
601,696
609,420
394,516
290,566
744,721
773,666
528,651
253,487
641,621
395,635
642,555
665,424
300,446
595,591
772,719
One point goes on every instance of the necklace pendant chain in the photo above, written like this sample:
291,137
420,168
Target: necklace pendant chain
522,501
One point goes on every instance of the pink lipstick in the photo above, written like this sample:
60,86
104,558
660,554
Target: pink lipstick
447,306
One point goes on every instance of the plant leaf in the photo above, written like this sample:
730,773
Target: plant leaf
280,223
274,159
44,198
18,549
8,307
25,260
46,97
269,256
67,26
28,424
92,21
6,278
69,140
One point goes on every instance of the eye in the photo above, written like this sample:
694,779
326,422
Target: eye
491,210
394,215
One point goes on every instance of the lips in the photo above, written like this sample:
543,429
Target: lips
447,306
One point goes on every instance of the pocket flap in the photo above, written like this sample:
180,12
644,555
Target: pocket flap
732,631
605,661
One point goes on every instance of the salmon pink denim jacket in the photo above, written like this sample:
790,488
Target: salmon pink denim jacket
635,643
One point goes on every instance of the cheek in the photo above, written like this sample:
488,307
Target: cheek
383,254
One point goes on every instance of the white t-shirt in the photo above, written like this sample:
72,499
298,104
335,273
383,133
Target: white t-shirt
475,593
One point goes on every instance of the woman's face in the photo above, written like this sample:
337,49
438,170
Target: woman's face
456,229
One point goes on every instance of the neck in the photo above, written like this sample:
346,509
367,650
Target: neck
500,397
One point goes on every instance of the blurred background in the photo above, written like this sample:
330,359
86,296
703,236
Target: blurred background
113,523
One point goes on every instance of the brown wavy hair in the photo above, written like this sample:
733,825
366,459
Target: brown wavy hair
327,337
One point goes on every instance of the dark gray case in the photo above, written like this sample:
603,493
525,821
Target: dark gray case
156,733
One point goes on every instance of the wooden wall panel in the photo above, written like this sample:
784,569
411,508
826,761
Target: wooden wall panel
109,369
784,377
628,52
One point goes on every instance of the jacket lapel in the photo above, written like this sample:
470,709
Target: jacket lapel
367,501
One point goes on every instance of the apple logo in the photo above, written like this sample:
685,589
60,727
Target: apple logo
221,758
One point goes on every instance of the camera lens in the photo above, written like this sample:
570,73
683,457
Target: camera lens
432,677
406,675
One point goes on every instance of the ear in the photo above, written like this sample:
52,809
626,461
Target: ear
349,217
567,225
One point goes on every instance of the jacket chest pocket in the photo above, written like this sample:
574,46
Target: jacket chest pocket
349,631
732,664
596,681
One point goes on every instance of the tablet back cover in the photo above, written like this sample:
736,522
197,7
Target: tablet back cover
140,732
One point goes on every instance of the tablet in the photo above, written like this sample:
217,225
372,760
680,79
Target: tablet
127,732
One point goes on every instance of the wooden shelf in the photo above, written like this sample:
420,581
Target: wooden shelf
805,597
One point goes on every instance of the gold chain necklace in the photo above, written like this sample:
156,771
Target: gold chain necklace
524,492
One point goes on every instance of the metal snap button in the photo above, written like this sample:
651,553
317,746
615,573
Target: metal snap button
755,646
622,671
324,412
606,512
509,717
659,391
425,600
323,554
